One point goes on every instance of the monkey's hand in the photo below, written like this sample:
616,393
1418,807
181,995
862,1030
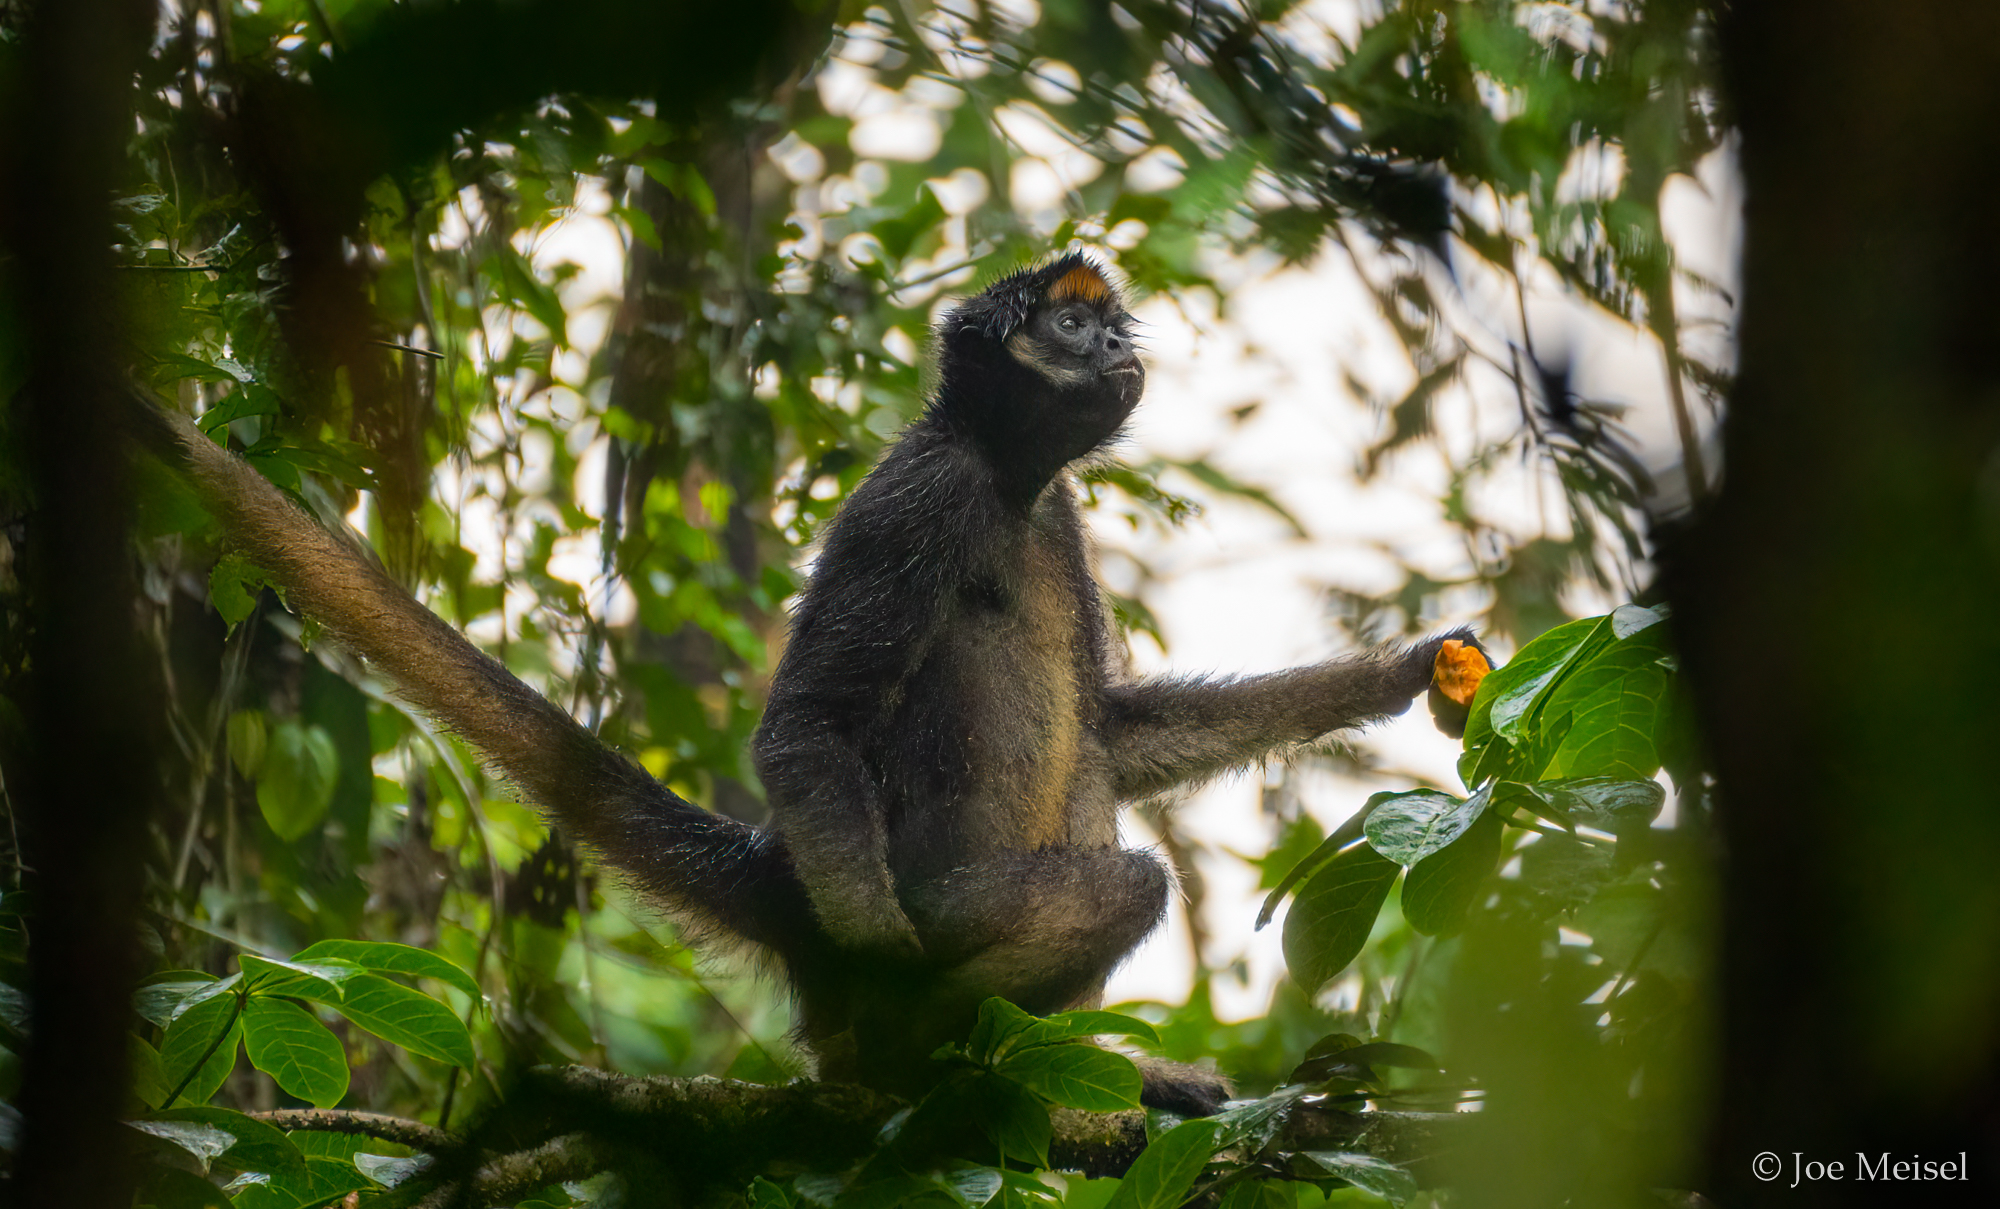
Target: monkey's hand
1450,667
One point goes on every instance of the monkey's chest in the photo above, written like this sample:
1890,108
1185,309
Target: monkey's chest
1032,772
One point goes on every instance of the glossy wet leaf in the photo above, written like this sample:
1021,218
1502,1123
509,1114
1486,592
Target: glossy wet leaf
1076,1075
1161,1177
1442,887
1333,914
389,957
289,1044
1407,827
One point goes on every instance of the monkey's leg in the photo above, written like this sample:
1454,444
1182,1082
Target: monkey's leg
1041,929
1167,731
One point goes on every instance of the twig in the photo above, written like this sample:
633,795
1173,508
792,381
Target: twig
401,1130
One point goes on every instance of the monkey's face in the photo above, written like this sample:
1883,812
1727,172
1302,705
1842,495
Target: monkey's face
1082,349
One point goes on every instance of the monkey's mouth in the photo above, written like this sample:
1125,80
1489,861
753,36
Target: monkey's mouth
1122,369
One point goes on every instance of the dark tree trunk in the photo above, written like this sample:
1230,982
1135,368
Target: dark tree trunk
1838,605
80,775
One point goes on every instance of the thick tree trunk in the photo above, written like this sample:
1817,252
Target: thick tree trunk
1837,606
78,768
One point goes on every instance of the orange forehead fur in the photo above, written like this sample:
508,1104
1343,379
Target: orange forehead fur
1082,282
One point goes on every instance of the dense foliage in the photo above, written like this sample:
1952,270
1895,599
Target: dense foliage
365,244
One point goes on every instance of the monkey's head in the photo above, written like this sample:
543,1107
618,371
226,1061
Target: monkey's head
1040,368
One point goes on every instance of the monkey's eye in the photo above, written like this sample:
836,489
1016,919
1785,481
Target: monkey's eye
1067,323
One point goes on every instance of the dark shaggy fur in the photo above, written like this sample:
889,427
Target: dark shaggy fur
950,731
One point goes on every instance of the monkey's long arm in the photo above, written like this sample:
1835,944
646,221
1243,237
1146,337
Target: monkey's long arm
715,869
1167,731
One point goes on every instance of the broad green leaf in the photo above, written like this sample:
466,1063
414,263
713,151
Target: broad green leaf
1609,804
972,1185
392,958
1442,887
253,399
149,1074
1262,1194
518,284
1253,1125
272,976
211,1027
1368,1173
1407,827
288,1044
1333,914
1611,731
325,1182
389,1170
1161,1177
256,1146
297,781
1076,1075
1012,1117
249,733
1326,851
403,1017
1000,1022
1509,694
168,994
1629,619
1565,872
171,1188
233,584
205,1142
1066,1026
766,1195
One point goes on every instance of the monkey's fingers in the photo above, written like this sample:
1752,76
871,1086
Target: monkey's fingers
1455,678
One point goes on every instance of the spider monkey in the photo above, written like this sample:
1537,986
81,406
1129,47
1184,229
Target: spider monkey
950,731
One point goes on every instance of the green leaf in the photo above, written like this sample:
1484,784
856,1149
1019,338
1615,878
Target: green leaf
389,957
403,1017
1367,1173
325,1182
1610,804
205,1142
1068,1026
191,1035
233,584
149,1074
256,1146
518,284
1161,1177
301,766
1629,619
1442,887
1508,695
1563,871
1000,1022
1407,827
972,1185
1611,730
1012,1117
900,233
288,1044
172,1188
1334,913
391,1170
1076,1075
253,399
271,976
1253,1125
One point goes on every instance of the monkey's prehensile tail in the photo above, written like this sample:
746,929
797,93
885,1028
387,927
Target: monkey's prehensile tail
713,872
